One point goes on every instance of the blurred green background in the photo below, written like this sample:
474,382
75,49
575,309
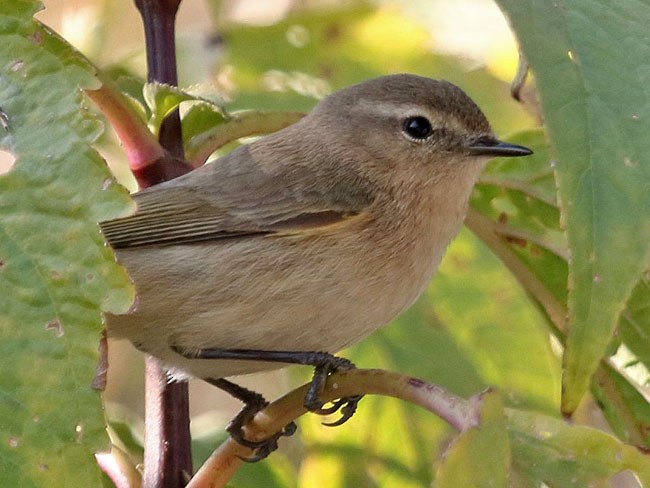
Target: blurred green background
473,328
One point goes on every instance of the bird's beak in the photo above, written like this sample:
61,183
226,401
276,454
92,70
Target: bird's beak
493,147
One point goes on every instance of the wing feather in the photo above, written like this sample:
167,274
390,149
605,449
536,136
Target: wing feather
232,197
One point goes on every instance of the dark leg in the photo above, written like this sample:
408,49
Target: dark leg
253,403
323,362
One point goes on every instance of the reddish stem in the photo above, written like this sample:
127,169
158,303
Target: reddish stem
141,147
168,456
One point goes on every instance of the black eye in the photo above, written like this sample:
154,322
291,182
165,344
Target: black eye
417,127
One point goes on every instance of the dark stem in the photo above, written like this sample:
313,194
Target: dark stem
158,17
168,456
167,448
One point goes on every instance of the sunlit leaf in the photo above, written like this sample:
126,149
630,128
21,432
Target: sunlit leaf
200,117
480,456
161,100
56,275
549,450
203,138
586,58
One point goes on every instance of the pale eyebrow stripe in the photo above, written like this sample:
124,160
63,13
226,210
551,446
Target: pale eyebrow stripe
390,109
401,111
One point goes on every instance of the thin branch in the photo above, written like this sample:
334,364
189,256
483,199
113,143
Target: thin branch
603,384
227,458
168,456
148,159
486,230
243,124
119,468
158,18
167,442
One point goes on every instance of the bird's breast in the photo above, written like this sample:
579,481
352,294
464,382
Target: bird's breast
322,292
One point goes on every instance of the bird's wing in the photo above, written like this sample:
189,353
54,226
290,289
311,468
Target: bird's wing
235,199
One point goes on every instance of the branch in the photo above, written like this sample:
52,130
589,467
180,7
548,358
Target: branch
168,456
227,458
243,124
603,384
486,230
119,468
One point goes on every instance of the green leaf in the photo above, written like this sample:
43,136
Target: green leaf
161,100
627,411
549,450
56,274
635,321
201,117
517,195
522,227
597,120
480,456
205,133
494,325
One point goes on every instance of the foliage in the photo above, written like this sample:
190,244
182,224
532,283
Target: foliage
558,248
55,273
595,126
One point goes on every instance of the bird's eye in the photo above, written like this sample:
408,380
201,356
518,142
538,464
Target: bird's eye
417,127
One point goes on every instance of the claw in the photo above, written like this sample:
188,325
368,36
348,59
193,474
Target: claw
253,403
267,446
336,405
324,362
261,453
347,406
262,448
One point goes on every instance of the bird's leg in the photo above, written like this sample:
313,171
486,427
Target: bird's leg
253,403
323,362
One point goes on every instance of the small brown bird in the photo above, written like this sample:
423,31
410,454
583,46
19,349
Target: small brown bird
306,240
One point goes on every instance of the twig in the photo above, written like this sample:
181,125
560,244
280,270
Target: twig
168,457
243,124
485,229
119,468
227,458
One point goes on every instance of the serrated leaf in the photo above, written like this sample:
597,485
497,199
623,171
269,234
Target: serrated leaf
586,58
56,274
161,100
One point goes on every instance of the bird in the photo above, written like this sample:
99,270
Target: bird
307,240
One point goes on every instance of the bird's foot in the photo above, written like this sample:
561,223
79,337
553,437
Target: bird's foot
347,406
253,403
